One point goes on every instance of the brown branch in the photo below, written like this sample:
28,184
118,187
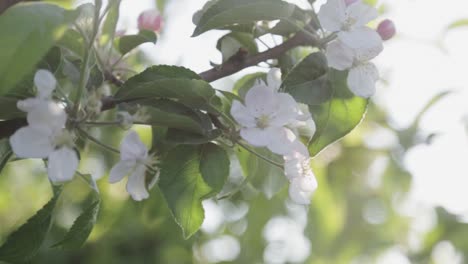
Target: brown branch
239,63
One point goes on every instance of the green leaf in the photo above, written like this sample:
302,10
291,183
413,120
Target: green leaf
335,110
307,82
167,113
338,116
8,109
28,32
184,137
223,13
81,228
170,82
231,43
24,243
5,153
129,42
214,166
184,188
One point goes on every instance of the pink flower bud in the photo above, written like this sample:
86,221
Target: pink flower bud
150,20
350,2
386,29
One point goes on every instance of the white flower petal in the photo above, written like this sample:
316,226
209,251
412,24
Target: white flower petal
274,79
132,148
367,54
332,15
62,165
307,183
242,115
339,56
45,82
307,128
47,115
297,163
297,194
255,136
292,168
120,170
362,79
359,38
281,140
136,185
28,104
362,13
261,100
30,142
286,111
304,113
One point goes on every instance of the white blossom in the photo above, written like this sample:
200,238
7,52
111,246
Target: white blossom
297,169
304,124
362,74
264,116
349,21
134,160
46,136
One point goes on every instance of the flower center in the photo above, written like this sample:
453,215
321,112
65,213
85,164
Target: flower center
348,23
263,121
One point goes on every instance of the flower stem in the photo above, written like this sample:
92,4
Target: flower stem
260,155
84,71
105,123
96,141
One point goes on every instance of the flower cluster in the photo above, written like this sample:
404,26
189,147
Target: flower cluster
47,137
272,119
356,44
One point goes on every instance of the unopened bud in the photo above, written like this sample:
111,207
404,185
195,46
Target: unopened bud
125,119
350,2
386,29
45,83
93,104
150,20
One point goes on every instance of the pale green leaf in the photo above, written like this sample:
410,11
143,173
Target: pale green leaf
335,110
24,243
81,228
29,30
